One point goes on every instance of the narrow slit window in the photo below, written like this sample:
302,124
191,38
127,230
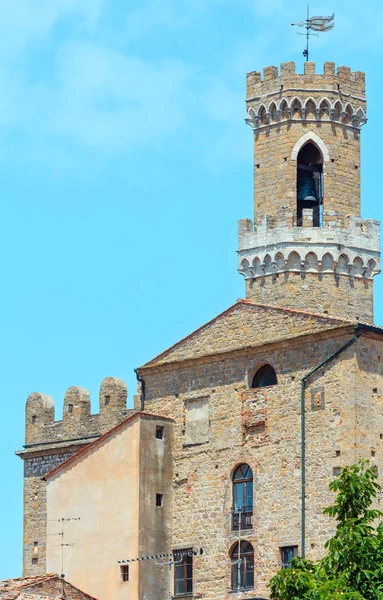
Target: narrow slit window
159,499
159,432
124,570
107,400
70,408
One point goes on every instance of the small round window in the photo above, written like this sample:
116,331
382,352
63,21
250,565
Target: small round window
264,376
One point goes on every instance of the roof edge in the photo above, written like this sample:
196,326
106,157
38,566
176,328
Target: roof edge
243,302
99,440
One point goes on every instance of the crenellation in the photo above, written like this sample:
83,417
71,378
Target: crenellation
344,73
76,404
113,395
285,77
39,413
270,73
287,69
309,68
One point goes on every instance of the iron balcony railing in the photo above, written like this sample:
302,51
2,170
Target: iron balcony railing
242,518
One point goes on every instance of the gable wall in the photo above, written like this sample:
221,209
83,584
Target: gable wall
262,428
100,488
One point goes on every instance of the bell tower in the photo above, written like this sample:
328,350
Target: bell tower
307,247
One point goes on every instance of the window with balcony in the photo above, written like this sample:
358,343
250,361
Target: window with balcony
242,516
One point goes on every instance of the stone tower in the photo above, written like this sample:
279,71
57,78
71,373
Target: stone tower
308,248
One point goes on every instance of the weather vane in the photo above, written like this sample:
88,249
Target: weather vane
314,24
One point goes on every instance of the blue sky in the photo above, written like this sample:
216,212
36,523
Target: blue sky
125,164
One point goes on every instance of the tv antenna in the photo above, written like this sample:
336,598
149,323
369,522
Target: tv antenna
314,24
63,543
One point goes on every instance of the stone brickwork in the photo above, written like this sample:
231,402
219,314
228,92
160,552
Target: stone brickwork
50,442
261,427
340,296
325,258
282,108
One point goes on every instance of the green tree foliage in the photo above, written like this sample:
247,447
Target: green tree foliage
353,566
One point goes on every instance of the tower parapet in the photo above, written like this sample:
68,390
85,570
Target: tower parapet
308,247
286,95
76,422
48,443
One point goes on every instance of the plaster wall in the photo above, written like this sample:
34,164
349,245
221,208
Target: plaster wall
101,489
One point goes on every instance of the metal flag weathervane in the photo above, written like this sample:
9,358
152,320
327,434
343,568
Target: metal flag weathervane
314,24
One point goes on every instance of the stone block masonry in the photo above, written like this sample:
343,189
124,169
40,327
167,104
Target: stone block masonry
313,251
261,427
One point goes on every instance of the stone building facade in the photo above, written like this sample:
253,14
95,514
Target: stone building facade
250,475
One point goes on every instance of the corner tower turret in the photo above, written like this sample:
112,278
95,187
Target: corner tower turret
308,247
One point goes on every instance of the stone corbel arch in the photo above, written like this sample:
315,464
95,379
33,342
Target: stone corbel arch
310,136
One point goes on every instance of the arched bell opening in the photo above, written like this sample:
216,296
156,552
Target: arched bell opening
310,184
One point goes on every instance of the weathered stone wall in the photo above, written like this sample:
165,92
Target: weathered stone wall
341,296
262,428
36,465
50,442
335,255
282,108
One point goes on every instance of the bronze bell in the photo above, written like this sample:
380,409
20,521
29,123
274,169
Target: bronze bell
307,190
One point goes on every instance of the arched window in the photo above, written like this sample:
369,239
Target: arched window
309,183
242,498
264,376
242,566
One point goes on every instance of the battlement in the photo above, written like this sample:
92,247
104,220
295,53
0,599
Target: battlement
341,80
273,247
77,421
286,96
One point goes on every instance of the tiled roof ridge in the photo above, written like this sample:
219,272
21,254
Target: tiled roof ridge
103,437
21,584
246,302
28,580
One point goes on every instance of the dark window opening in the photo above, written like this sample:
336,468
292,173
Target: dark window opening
159,499
183,572
159,432
242,566
107,400
265,376
35,544
35,560
34,419
124,570
310,184
288,553
70,408
242,514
